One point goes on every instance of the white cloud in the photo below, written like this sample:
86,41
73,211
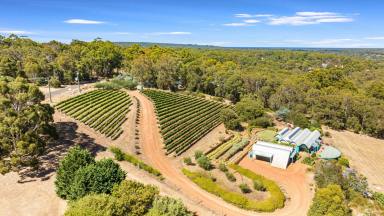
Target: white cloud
16,32
236,24
309,18
172,33
84,22
374,38
251,21
243,15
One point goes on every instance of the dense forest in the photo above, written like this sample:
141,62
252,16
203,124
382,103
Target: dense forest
343,92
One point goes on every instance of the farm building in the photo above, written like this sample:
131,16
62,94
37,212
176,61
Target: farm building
301,138
278,155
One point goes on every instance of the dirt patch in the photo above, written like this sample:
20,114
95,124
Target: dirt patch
365,154
294,181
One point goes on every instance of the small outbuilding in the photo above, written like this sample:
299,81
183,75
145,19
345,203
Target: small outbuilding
278,155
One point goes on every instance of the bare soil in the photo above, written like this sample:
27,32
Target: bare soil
365,154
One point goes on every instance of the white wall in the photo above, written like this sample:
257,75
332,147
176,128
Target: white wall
280,156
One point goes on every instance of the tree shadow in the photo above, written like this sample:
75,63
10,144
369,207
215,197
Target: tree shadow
56,150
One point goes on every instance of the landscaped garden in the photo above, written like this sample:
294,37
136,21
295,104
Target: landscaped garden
184,119
102,110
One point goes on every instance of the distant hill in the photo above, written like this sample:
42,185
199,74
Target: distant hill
174,45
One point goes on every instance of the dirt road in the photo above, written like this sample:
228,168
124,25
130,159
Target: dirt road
153,151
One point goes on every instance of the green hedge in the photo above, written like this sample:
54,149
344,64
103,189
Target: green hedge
120,155
276,200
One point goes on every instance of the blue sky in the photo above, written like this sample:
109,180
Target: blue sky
267,23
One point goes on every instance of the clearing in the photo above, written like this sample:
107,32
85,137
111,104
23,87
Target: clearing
364,153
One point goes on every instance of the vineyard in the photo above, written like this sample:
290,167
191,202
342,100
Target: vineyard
184,119
103,110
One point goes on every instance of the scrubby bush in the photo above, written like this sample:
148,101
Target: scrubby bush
263,122
230,176
198,154
117,83
99,177
343,161
95,205
204,162
282,113
245,188
379,197
329,201
167,206
328,172
73,161
136,197
258,185
222,167
230,119
187,161
54,82
308,161
249,109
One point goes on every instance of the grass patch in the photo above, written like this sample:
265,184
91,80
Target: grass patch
121,156
267,135
268,205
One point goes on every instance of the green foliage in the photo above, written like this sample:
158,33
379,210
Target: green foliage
73,161
54,82
379,197
328,172
258,185
308,161
230,119
95,205
135,161
282,113
276,200
263,122
223,167
329,201
187,161
249,109
136,198
99,177
198,154
267,135
237,147
343,161
167,206
230,176
299,119
245,188
25,124
204,162
117,83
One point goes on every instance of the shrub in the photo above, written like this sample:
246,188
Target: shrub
95,205
117,83
343,161
74,160
327,134
263,122
329,201
204,162
198,154
187,161
245,188
222,167
249,109
54,82
379,197
135,161
308,161
167,206
282,113
99,177
328,172
230,176
136,197
258,185
230,118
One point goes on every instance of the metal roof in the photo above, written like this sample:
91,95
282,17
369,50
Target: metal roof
330,152
272,145
311,139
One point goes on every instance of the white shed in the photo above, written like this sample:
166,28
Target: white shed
277,155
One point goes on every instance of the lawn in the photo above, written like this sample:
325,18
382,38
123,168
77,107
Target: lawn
267,135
